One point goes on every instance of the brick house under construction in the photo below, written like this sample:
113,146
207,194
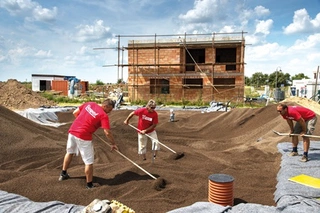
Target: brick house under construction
193,68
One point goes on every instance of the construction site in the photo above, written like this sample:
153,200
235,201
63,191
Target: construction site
239,143
183,67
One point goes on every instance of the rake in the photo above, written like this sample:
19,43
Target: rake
160,182
177,155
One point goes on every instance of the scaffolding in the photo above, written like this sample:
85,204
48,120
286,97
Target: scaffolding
146,63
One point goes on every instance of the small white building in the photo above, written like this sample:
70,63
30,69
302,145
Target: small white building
42,82
306,88
66,85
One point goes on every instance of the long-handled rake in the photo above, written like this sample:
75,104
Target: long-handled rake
160,182
288,134
176,155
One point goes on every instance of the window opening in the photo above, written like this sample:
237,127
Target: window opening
224,83
227,55
159,86
192,56
193,83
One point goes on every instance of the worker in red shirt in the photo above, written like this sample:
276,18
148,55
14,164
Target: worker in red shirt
90,116
147,122
305,124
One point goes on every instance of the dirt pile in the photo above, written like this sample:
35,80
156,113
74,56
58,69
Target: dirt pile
212,142
239,143
15,95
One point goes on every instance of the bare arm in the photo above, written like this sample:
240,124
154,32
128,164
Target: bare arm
290,123
76,112
109,135
128,118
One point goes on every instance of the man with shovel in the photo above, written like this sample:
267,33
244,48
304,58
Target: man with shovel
89,117
147,122
305,124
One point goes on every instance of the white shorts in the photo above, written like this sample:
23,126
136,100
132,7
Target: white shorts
142,142
76,145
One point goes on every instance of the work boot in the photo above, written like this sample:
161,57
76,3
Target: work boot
304,159
291,154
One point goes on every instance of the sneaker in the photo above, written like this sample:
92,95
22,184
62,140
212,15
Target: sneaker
64,177
304,159
94,185
293,154
90,187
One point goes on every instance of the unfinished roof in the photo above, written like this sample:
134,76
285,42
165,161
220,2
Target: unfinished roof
187,39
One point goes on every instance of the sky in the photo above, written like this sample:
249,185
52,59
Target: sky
80,37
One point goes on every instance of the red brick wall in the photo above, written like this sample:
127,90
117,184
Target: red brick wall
159,60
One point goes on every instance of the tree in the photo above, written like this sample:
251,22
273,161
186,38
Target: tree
120,81
300,76
99,82
259,79
247,81
278,78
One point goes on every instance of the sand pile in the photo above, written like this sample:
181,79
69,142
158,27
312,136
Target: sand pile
239,143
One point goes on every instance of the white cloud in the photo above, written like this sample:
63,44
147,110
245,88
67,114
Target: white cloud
261,11
264,52
265,48
312,42
302,57
43,54
82,50
17,54
252,40
44,14
2,58
111,41
205,10
92,32
313,56
246,15
227,29
224,16
30,9
19,51
264,26
303,23
17,6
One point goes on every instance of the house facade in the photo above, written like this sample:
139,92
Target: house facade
192,68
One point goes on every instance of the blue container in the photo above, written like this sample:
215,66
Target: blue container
293,91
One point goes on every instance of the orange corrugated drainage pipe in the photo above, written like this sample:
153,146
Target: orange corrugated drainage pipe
221,189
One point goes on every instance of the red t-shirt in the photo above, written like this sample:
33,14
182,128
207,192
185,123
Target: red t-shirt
297,112
90,118
146,118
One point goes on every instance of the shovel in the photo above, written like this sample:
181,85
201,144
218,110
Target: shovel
177,155
288,134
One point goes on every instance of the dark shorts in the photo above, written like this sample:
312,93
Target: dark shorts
310,124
